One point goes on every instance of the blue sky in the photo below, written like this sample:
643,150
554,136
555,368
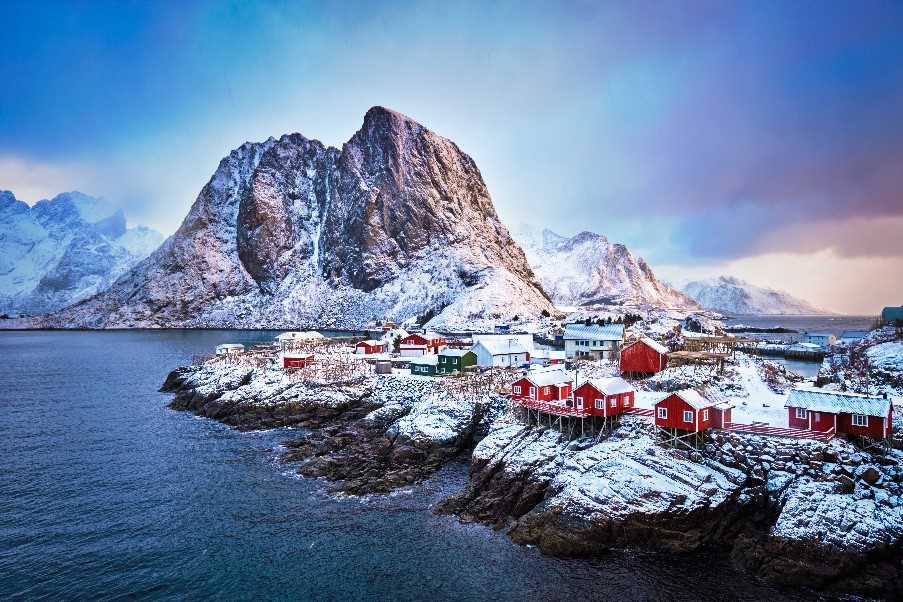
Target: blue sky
756,138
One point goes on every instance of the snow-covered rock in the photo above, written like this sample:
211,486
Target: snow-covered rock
734,296
63,250
886,356
397,224
587,269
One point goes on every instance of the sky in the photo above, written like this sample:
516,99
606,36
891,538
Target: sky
757,139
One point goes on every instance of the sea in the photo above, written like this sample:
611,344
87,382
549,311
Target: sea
831,324
105,493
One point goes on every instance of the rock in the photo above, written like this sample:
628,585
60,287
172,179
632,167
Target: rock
869,474
845,484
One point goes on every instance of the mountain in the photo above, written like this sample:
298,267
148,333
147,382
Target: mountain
396,224
63,250
587,269
734,296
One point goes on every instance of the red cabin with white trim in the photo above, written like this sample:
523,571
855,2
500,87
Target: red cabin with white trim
840,412
421,344
686,411
643,357
549,386
297,360
604,397
370,346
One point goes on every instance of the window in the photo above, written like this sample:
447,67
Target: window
801,412
688,416
613,402
533,392
580,402
600,404
663,413
860,420
705,415
517,389
817,416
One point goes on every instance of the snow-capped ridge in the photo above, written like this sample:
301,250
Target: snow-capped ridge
732,295
588,269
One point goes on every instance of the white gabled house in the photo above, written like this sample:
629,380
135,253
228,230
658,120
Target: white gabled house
593,342
500,352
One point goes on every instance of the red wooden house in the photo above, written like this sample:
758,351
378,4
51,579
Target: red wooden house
643,357
840,413
686,411
542,387
370,346
297,360
422,343
604,397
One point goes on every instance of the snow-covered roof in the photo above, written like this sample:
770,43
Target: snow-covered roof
612,385
609,332
650,343
413,345
297,355
230,346
834,402
502,346
455,352
817,334
542,378
425,360
371,342
550,354
693,398
290,336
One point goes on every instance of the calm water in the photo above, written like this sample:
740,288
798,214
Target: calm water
106,493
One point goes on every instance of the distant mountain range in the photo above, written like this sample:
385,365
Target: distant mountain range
731,295
290,233
64,249
587,269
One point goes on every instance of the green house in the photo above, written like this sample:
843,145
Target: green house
424,365
892,315
455,360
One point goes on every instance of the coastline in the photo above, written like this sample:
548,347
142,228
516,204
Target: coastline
744,495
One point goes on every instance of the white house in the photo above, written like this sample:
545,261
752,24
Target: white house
822,339
593,342
500,352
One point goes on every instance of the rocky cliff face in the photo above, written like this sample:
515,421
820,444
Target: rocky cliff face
587,269
64,249
732,295
290,233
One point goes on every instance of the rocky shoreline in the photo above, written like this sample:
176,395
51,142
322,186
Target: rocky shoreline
821,515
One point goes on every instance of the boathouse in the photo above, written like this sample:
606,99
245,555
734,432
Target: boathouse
606,397
455,360
540,387
643,357
369,347
840,413
685,411
822,339
292,360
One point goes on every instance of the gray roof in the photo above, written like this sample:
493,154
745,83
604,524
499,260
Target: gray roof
609,332
835,402
502,347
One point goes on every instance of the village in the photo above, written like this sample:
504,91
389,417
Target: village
580,378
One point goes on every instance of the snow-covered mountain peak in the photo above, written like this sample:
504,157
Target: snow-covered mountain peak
62,250
733,295
588,269
288,232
